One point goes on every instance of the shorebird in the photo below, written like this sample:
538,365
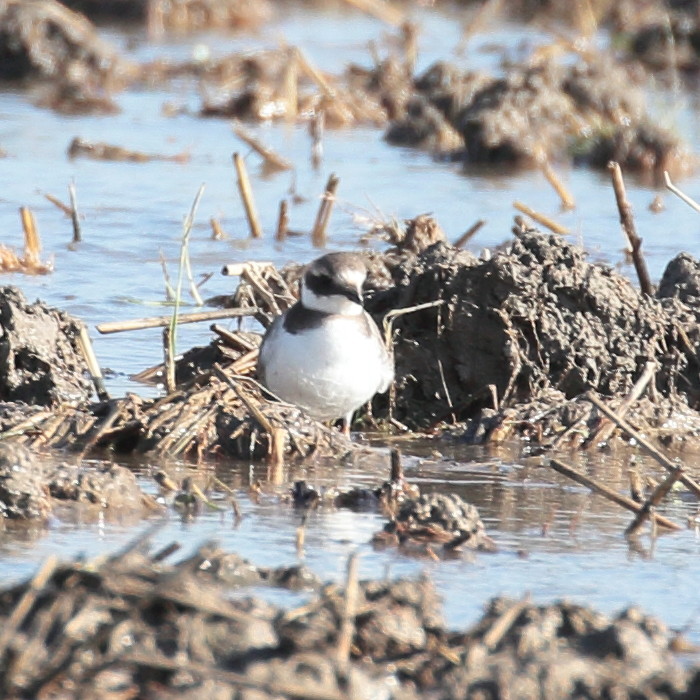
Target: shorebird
326,354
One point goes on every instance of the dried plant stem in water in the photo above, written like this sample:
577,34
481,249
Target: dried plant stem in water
664,461
318,234
282,222
75,217
541,218
92,363
272,160
606,428
380,10
647,509
682,195
347,622
247,196
627,221
58,203
608,493
567,199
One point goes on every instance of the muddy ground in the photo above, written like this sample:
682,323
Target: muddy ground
509,347
564,104
135,626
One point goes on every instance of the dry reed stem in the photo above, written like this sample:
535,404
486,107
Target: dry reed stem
26,602
138,324
272,160
647,510
58,203
217,233
92,363
606,428
247,196
282,222
606,492
469,233
318,233
232,339
541,218
347,622
503,623
567,199
627,222
688,200
316,130
75,217
290,85
380,10
664,461
169,360
237,269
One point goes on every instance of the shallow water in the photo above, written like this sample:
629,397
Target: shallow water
133,211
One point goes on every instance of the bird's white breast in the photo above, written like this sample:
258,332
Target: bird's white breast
331,369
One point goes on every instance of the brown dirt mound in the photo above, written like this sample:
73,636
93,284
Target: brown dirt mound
132,622
40,362
534,317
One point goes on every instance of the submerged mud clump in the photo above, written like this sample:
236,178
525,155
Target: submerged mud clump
32,488
40,362
135,622
444,519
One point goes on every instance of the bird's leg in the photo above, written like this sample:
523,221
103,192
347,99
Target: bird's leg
347,420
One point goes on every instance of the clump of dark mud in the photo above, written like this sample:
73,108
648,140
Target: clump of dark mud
43,39
178,16
444,519
40,361
135,622
589,110
535,317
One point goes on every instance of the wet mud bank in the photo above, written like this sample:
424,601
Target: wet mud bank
138,625
507,346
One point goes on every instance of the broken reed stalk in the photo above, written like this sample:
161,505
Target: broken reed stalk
217,233
32,244
606,428
567,199
606,492
26,602
347,622
504,622
169,360
92,363
247,196
290,85
75,217
541,218
627,221
316,129
469,234
169,291
58,203
138,324
272,160
681,195
664,461
647,509
194,290
237,269
318,234
282,222
172,335
390,316
233,340
380,10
